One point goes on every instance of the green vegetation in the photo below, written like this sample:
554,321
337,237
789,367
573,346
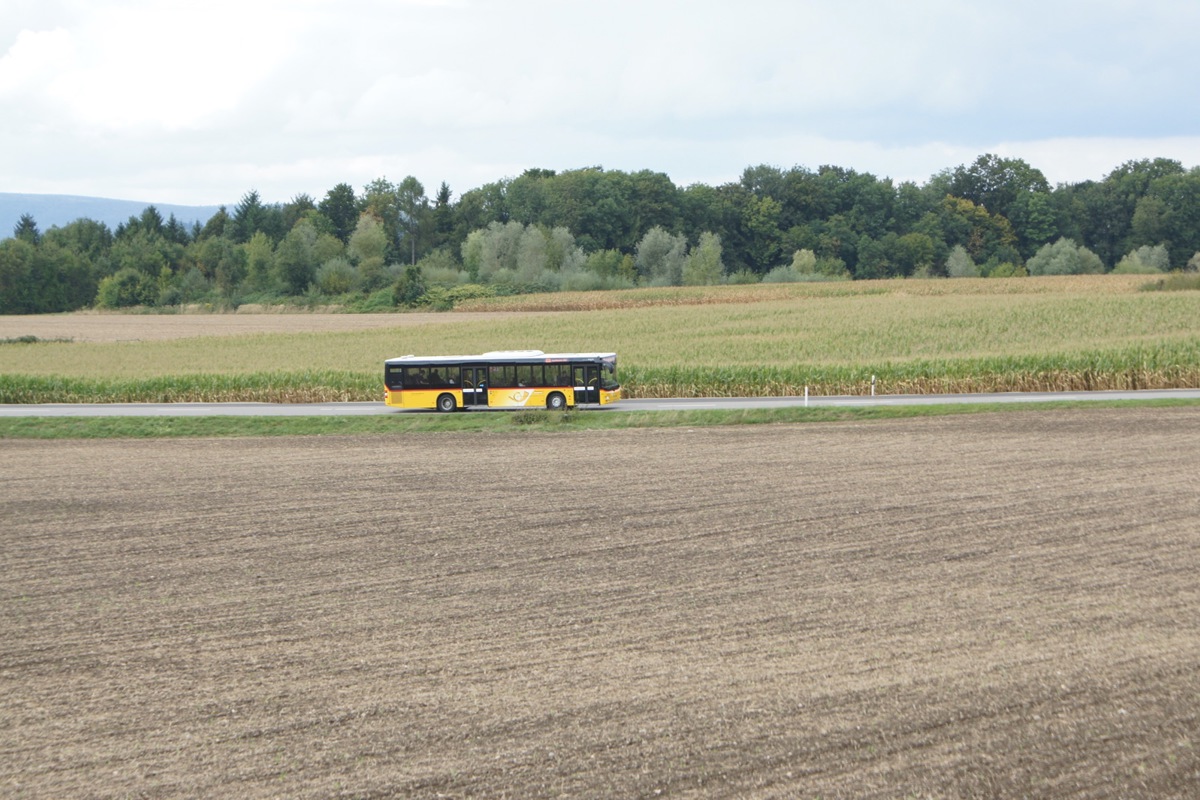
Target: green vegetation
1174,283
28,340
274,387
914,336
389,245
486,422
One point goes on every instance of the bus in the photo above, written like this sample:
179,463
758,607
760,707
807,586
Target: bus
503,379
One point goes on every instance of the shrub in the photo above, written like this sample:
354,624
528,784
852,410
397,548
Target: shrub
126,287
587,281
787,273
703,266
1064,257
409,289
660,257
1145,260
1175,282
1007,269
336,276
784,273
742,277
443,298
375,302
959,263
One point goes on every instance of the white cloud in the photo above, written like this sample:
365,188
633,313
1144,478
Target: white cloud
200,101
32,56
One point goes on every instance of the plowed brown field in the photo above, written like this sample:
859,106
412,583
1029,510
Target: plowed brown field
978,606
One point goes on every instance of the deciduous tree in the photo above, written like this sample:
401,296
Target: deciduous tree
295,263
704,266
995,183
660,257
342,209
413,209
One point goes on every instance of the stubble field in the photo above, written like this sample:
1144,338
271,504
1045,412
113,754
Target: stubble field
985,606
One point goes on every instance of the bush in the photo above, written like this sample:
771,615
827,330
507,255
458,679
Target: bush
959,263
786,273
442,298
1175,282
742,276
703,266
1007,269
190,287
807,268
125,288
1064,257
436,275
1145,260
410,288
337,276
373,303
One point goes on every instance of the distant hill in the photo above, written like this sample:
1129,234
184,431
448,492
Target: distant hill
57,210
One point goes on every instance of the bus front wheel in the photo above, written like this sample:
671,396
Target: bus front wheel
446,402
556,402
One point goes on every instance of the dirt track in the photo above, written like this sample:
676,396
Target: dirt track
983,606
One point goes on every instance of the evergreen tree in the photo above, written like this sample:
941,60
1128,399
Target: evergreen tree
26,230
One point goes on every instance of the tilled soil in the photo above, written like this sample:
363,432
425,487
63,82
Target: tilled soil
994,605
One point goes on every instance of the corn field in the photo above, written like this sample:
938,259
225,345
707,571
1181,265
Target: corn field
914,337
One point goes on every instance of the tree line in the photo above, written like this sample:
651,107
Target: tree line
390,244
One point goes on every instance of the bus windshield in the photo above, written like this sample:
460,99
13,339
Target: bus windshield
608,375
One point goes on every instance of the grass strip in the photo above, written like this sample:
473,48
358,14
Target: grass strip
495,422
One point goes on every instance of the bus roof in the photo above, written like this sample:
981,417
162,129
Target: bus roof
504,356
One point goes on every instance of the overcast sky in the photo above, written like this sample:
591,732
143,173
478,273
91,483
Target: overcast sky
175,101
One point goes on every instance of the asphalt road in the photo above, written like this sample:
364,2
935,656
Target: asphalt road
667,404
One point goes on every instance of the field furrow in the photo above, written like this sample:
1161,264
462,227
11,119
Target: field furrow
993,605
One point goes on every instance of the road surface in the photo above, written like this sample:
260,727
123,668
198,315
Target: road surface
664,404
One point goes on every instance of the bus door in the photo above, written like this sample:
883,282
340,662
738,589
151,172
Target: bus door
587,382
474,386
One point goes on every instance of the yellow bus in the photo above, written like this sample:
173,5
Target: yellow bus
504,379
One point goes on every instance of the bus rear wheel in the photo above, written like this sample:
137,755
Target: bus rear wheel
446,402
556,402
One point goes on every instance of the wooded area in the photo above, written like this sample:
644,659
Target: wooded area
390,244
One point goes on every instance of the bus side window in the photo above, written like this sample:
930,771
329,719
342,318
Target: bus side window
503,376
